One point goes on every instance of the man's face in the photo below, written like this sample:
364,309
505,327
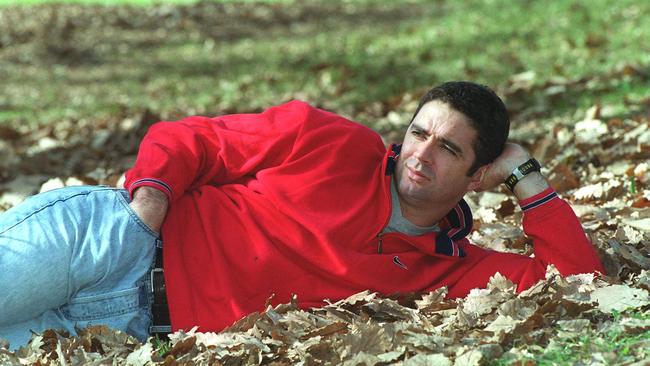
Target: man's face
437,153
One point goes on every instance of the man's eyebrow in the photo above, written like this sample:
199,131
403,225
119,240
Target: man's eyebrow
423,130
452,145
415,126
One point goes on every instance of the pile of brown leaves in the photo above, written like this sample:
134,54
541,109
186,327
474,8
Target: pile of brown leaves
365,329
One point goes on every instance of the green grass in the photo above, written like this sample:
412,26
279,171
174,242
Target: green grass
100,2
346,59
611,347
162,346
120,2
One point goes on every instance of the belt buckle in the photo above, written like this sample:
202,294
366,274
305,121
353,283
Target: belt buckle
164,329
151,274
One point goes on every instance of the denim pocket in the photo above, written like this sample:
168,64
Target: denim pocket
104,305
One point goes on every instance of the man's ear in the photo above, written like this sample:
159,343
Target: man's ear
477,179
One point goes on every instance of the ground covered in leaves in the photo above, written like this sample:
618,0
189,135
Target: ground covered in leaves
598,159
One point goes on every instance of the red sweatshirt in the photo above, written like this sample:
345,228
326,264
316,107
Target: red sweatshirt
293,200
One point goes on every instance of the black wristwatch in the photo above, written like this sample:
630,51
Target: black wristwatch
532,165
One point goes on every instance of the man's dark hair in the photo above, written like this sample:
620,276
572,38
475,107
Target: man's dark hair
486,112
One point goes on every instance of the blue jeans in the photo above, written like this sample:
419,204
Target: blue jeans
74,257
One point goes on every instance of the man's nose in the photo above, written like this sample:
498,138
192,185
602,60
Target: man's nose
424,152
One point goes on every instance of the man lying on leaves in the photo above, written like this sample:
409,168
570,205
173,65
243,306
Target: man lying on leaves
291,200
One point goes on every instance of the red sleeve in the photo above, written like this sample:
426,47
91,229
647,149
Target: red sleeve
175,157
558,239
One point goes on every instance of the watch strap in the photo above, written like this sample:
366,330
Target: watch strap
531,165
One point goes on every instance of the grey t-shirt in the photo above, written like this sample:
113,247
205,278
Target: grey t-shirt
398,223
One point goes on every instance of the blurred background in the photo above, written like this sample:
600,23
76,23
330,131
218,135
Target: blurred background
88,77
93,59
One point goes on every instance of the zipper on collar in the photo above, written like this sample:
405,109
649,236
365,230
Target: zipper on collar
380,235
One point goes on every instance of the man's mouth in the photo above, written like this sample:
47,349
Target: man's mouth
417,176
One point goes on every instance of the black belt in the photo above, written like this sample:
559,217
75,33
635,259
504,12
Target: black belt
161,323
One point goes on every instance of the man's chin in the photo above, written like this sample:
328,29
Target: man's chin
414,191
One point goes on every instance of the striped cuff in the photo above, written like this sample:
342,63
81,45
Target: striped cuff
537,200
153,183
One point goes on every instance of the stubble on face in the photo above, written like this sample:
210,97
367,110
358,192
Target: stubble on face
436,154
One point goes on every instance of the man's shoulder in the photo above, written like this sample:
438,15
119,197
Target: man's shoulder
333,138
318,117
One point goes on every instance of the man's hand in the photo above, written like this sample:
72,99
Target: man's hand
513,155
150,205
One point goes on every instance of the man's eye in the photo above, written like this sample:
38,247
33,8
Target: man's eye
448,149
417,133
